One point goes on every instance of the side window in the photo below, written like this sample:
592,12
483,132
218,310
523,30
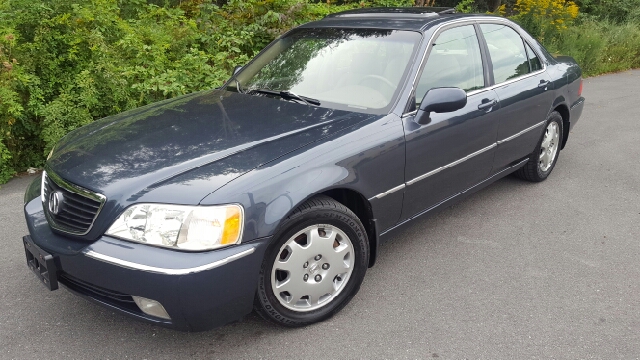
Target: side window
506,50
454,61
534,61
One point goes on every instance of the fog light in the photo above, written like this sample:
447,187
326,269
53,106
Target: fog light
151,307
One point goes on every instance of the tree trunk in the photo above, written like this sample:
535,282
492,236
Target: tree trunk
493,5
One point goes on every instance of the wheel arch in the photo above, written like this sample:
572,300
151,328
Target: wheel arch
360,206
563,110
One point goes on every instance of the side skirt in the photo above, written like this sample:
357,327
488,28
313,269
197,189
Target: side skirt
457,197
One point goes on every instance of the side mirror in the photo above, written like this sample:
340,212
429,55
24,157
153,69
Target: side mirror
237,69
440,100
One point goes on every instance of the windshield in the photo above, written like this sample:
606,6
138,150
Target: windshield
347,69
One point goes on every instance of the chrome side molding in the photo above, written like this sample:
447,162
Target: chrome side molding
381,195
457,162
165,271
520,133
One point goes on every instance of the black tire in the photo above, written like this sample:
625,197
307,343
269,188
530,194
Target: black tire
317,210
531,170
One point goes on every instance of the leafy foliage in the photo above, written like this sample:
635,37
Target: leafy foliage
613,11
64,64
598,44
601,46
545,18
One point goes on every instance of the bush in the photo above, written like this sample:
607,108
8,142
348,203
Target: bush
601,46
64,64
545,18
613,11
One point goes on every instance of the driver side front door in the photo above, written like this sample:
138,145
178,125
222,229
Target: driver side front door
455,150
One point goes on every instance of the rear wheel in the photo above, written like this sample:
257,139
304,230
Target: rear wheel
315,266
544,157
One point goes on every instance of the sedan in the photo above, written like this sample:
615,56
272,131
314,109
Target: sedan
274,192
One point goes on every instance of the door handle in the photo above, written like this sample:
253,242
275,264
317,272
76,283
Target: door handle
486,103
544,83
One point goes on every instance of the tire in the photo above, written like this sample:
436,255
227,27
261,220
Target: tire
537,169
290,270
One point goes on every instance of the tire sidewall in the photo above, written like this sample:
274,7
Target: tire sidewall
352,227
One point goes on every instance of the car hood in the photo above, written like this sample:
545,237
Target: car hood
135,151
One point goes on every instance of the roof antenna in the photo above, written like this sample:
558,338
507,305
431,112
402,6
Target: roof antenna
448,11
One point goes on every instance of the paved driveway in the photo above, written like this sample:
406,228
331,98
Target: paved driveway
519,270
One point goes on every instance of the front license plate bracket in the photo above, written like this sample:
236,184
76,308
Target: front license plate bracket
41,263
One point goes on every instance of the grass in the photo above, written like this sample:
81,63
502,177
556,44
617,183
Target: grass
600,46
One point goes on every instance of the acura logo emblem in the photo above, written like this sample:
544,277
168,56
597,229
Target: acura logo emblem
55,202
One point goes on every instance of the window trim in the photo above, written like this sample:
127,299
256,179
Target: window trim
485,59
439,30
527,45
524,41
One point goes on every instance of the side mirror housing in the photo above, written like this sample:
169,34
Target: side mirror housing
440,100
237,69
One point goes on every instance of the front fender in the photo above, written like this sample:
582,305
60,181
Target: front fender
367,158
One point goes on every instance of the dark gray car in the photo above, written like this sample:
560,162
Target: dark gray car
274,192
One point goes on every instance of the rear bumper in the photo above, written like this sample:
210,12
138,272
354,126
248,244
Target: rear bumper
575,111
199,291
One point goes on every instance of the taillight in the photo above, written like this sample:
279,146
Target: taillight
580,88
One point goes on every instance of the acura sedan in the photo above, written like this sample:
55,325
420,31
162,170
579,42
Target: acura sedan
274,192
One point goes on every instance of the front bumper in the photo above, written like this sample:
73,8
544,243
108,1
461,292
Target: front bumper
199,291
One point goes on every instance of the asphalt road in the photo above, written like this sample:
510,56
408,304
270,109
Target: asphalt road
517,271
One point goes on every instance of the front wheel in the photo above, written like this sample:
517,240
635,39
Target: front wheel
544,157
315,266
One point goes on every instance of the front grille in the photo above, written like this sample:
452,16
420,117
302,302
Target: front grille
85,287
77,208
118,299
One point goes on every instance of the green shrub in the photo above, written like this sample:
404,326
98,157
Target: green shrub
600,46
615,11
64,64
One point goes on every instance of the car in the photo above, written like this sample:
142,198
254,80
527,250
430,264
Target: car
274,192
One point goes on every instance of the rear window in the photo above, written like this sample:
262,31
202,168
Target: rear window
534,61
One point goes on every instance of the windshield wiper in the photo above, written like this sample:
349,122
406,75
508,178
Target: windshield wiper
238,86
287,95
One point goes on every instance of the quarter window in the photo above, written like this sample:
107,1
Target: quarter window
534,61
454,61
507,52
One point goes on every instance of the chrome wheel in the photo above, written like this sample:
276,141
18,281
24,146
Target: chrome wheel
312,267
549,147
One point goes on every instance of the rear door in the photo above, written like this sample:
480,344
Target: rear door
523,87
454,151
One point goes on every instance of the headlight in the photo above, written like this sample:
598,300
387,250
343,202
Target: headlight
182,227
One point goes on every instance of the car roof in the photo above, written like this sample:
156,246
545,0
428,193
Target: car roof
398,18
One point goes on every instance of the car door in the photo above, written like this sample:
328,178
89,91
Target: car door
523,87
455,150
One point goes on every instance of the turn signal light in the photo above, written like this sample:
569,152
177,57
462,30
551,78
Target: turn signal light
231,231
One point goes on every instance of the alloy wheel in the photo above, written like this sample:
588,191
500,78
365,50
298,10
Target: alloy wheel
312,267
549,147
